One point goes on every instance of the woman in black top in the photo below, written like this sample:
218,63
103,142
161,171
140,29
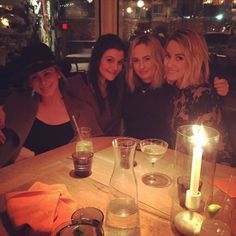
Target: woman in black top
147,102
39,116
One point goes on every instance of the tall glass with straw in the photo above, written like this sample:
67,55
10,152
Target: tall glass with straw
83,142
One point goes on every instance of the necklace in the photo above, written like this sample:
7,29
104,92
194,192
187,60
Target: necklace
145,90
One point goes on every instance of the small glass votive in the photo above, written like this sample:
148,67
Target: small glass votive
221,221
85,221
183,184
82,163
87,213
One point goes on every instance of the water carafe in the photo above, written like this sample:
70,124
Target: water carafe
122,215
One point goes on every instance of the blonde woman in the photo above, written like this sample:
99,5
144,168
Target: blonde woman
147,101
195,100
145,62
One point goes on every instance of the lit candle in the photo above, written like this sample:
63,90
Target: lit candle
199,140
196,169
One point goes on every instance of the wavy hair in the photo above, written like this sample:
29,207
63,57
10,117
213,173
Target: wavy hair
158,52
195,49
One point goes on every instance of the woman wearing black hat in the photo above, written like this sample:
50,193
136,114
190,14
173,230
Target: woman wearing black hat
39,117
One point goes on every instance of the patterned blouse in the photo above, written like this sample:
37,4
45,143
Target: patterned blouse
200,105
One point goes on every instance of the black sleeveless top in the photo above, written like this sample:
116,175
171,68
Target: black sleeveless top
44,137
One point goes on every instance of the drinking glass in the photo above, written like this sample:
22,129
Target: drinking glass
154,150
82,161
220,223
84,142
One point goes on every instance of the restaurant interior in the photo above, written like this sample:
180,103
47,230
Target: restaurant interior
118,185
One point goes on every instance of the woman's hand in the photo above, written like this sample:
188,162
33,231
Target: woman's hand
2,125
221,86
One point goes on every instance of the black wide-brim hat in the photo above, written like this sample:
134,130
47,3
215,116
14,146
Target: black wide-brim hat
35,58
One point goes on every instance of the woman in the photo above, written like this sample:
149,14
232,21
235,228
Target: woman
147,102
39,117
106,83
195,101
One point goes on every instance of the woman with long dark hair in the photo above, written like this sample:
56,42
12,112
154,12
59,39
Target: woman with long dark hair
106,82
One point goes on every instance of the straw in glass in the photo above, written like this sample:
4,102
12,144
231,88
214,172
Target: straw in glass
76,126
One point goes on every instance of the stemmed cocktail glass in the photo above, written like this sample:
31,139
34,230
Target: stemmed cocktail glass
154,150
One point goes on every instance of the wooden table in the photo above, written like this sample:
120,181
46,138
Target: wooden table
54,167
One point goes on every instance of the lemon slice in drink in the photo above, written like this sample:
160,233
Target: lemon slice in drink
213,209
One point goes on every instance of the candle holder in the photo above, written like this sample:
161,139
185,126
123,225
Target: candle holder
195,162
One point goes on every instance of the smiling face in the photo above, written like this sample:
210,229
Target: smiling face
143,61
45,82
111,64
175,62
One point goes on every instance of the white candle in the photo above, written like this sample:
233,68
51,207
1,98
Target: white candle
199,140
196,169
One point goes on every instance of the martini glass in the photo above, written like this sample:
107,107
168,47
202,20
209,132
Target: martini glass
154,150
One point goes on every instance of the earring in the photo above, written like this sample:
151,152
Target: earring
33,93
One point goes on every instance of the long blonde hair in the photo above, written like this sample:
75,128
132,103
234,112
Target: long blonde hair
158,53
196,53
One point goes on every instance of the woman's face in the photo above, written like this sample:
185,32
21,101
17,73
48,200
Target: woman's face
45,82
143,61
111,64
175,62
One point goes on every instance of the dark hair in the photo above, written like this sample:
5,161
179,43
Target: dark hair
104,42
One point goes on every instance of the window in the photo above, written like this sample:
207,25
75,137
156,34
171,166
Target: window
78,29
161,17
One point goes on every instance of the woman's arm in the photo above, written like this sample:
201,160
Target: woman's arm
24,153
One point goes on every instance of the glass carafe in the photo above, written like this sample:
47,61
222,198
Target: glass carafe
122,215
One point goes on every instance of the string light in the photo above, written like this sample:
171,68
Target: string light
129,10
5,21
140,3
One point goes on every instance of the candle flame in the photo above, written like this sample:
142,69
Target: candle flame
199,137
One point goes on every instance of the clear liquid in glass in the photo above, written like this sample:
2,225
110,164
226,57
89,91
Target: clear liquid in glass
122,217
